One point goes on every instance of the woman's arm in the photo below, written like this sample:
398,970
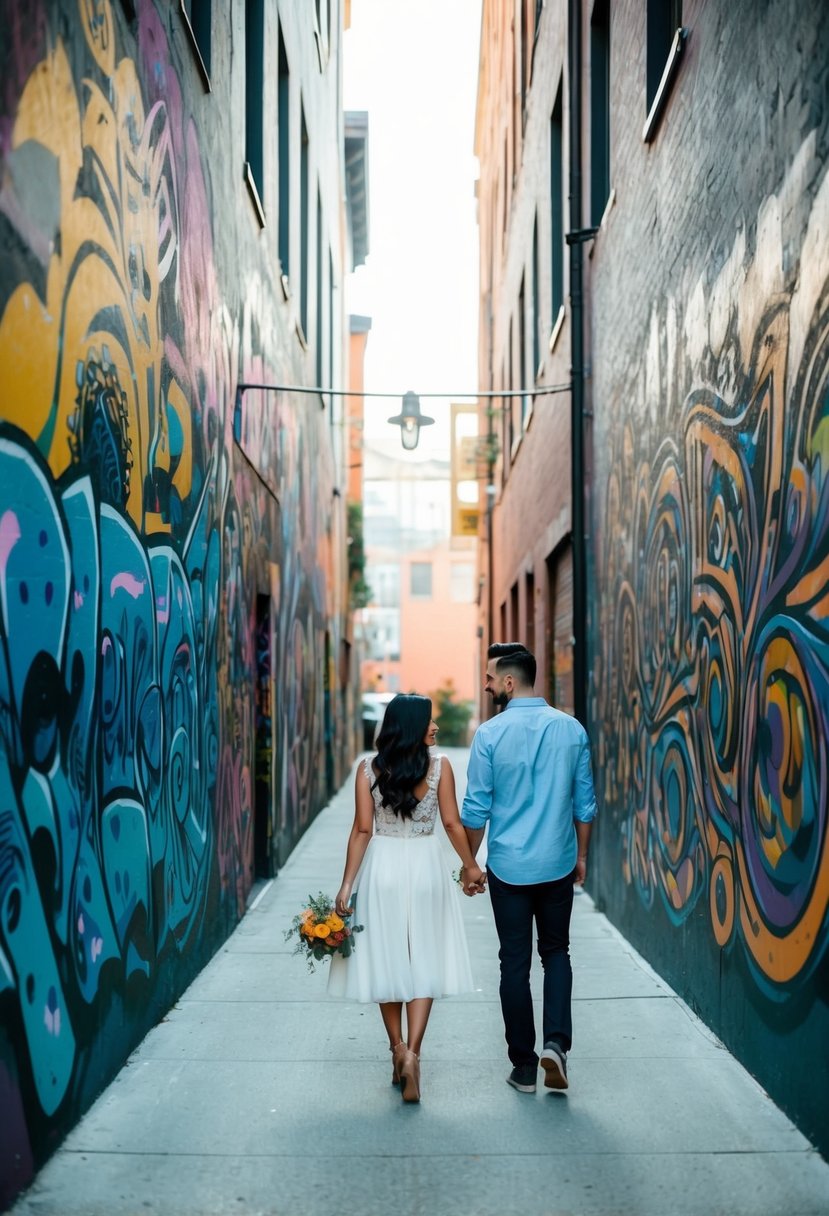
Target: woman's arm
473,876
361,830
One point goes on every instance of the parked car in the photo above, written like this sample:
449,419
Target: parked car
374,707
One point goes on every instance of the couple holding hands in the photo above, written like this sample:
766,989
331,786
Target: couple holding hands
529,782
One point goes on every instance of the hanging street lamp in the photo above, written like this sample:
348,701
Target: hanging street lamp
410,420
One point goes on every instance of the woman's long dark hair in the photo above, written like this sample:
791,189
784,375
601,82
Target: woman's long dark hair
402,759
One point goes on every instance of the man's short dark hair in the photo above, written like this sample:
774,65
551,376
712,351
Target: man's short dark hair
521,663
498,650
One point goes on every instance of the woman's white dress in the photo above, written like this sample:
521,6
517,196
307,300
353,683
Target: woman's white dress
413,942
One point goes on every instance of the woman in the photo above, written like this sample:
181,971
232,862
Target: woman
413,947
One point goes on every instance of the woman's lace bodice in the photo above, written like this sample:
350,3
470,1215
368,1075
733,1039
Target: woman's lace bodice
422,822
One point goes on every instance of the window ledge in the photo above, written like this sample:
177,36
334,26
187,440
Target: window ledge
194,46
322,50
250,182
557,328
608,207
665,85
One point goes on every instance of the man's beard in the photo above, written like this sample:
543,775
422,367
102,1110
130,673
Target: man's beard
500,699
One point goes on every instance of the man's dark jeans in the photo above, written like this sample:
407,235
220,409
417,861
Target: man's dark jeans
549,904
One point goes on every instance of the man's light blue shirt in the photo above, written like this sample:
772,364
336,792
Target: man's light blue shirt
529,778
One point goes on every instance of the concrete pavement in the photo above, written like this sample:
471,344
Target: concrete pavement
257,1094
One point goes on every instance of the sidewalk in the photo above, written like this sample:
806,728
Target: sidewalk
258,1095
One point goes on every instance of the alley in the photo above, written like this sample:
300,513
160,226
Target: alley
256,1094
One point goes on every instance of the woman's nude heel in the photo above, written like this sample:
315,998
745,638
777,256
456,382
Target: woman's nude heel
410,1077
398,1051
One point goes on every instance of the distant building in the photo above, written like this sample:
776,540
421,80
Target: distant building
419,626
653,241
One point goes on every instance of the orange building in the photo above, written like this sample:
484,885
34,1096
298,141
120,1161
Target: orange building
438,618
419,629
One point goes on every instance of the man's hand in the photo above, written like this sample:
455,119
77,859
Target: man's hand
473,880
580,872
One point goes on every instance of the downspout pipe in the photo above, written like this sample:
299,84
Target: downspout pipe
575,239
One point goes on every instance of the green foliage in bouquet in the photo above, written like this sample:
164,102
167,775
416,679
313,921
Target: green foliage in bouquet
320,932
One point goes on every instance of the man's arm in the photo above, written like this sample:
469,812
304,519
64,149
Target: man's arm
583,831
474,836
584,809
477,802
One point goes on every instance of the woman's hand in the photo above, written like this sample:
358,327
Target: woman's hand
341,902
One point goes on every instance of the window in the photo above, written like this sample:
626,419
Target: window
522,353
254,90
420,580
536,317
331,368
322,30
303,222
284,103
505,197
384,580
525,53
197,20
559,627
514,623
381,631
665,40
529,611
506,425
556,208
461,582
318,335
599,110
509,431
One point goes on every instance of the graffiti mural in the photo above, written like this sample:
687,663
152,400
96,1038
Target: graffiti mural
713,689
133,542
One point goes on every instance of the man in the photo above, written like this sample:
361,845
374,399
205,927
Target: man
529,779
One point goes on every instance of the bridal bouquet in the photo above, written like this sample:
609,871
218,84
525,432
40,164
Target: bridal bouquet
320,932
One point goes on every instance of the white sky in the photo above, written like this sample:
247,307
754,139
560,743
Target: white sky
413,65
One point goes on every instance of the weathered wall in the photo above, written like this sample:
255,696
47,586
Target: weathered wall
149,563
710,332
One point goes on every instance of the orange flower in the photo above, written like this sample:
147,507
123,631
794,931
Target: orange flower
335,923
321,930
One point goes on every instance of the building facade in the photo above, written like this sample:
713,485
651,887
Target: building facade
699,154
524,337
177,695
